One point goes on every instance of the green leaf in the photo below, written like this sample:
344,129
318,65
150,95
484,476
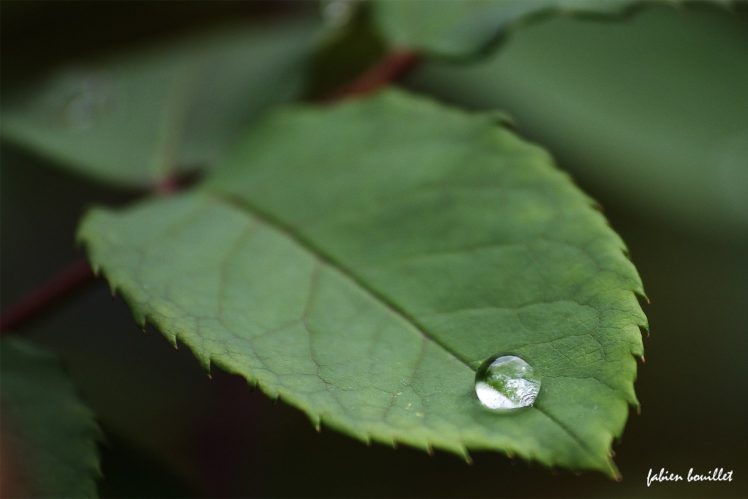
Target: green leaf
652,111
135,119
362,261
465,28
49,435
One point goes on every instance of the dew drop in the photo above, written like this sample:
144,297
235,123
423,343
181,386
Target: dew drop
506,382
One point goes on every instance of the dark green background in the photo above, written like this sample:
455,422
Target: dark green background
170,431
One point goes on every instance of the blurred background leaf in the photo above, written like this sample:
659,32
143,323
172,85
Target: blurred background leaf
465,29
136,118
651,111
48,444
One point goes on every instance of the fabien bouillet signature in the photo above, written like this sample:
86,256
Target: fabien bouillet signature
664,475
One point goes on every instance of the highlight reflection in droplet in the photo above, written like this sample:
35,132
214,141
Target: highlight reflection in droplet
506,383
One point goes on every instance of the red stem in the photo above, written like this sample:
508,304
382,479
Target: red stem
168,185
391,67
59,286
69,279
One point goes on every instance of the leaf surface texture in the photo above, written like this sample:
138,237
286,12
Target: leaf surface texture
361,261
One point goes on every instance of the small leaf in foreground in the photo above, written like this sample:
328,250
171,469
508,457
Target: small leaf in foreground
48,435
362,261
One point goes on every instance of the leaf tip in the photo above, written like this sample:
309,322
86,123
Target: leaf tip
612,469
316,421
140,321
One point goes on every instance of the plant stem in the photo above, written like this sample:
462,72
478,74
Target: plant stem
392,66
61,285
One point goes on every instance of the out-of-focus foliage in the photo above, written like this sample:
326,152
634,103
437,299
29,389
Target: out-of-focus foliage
172,432
49,436
466,28
136,118
367,286
349,46
652,110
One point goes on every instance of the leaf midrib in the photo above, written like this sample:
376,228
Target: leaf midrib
280,226
269,219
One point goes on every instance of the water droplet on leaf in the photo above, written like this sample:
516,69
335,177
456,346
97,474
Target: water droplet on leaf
506,382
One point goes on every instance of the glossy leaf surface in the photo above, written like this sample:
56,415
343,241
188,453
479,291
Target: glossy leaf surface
361,262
